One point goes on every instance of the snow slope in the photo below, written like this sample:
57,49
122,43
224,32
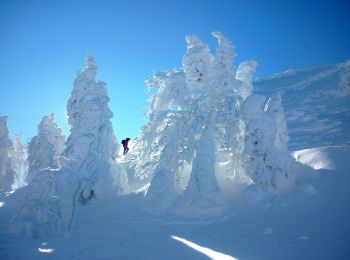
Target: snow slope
316,103
311,223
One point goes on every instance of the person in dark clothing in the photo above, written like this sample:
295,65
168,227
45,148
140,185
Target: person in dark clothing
125,143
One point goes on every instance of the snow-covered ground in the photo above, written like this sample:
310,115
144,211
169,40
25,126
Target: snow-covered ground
310,223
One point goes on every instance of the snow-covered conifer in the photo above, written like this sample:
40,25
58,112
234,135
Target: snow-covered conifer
166,106
86,167
197,63
196,126
44,148
181,138
54,133
6,147
284,177
91,145
19,161
223,71
166,184
265,154
244,74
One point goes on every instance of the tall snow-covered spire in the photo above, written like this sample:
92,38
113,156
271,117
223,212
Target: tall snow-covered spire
91,143
89,71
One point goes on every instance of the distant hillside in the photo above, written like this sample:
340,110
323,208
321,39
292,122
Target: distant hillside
316,102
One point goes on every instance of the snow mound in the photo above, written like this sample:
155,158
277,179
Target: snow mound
324,158
316,158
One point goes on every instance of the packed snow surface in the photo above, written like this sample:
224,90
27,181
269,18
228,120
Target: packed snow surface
311,223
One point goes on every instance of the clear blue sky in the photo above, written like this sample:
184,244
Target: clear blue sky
43,44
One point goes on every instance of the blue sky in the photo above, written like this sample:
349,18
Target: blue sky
44,43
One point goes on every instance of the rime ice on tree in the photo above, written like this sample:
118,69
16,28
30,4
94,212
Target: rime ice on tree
87,163
86,168
6,147
45,148
19,161
266,158
196,126
40,213
91,143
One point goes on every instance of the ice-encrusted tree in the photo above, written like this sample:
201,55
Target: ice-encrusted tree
185,96
87,171
186,100
45,148
170,87
40,212
91,144
284,177
197,63
86,167
54,133
19,161
202,196
6,147
196,126
265,155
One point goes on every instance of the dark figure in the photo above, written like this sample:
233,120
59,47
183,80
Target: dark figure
125,145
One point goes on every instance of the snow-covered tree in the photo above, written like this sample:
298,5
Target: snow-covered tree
45,148
91,144
196,126
166,183
40,213
266,158
86,167
197,63
164,112
19,161
54,134
177,133
202,197
284,177
245,75
223,70
6,147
